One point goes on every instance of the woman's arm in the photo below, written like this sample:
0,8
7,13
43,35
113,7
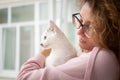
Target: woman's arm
30,67
34,69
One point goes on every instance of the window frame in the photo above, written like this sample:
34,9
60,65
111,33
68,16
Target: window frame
36,22
63,16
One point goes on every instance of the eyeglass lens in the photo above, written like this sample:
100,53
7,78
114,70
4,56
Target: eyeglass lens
77,23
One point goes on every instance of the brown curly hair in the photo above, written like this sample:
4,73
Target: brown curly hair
106,23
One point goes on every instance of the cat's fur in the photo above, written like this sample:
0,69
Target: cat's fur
62,49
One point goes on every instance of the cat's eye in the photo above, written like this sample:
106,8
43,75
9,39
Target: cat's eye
45,37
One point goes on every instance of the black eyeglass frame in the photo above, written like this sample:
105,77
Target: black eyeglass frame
74,15
81,25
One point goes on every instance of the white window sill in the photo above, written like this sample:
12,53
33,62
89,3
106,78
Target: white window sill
8,74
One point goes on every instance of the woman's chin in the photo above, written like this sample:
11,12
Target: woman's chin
82,46
85,47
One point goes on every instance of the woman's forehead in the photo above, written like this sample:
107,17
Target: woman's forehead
86,12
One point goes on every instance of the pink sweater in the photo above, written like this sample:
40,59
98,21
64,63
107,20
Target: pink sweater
99,64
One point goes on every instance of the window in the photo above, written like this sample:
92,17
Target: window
23,13
21,27
43,11
9,48
26,43
20,32
3,16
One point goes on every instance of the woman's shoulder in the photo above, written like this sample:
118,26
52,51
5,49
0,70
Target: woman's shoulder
104,53
106,64
106,60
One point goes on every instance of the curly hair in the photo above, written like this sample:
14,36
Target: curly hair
106,16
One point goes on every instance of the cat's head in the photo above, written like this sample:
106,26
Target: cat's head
51,36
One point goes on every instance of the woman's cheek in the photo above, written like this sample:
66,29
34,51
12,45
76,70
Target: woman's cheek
87,45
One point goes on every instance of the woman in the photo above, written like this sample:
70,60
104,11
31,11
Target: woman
98,25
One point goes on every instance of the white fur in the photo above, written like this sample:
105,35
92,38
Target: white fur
62,50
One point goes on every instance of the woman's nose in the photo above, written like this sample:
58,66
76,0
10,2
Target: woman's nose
80,31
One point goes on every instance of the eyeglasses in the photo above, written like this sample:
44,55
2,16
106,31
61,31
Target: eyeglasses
77,21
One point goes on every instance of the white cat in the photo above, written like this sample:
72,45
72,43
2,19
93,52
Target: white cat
62,50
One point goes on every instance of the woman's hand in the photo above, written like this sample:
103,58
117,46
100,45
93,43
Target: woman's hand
46,52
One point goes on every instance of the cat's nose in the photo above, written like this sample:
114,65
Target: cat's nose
41,44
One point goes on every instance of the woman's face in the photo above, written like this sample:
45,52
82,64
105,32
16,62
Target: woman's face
85,42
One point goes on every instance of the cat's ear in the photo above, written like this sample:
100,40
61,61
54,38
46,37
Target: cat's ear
54,27
51,25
